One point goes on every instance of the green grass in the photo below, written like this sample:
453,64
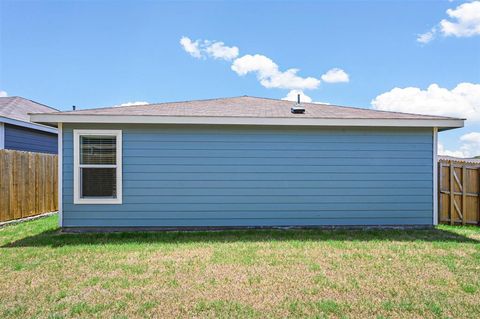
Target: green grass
239,274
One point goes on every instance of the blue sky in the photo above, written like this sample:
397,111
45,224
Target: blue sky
102,53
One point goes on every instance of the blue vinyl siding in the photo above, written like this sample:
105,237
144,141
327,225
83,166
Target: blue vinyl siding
30,140
262,176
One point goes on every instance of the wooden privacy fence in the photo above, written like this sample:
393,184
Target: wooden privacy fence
28,184
459,192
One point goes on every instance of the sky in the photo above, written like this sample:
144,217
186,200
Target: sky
410,56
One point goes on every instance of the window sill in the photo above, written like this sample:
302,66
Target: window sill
93,201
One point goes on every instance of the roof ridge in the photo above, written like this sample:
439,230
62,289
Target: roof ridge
155,103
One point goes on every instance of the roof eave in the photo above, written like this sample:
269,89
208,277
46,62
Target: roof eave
35,126
52,118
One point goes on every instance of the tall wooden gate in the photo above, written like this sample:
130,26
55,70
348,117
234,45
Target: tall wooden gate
459,191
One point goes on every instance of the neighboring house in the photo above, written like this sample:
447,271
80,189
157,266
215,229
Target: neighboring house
246,161
453,159
18,133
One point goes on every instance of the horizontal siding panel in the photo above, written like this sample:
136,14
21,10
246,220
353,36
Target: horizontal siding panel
202,207
21,137
252,176
248,215
270,191
253,199
273,140
129,152
255,130
279,146
143,160
240,168
271,177
239,154
270,184
138,132
26,139
277,176
29,147
88,222
275,184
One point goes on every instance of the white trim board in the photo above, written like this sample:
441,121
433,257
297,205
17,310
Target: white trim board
60,174
34,126
2,136
76,167
154,119
435,176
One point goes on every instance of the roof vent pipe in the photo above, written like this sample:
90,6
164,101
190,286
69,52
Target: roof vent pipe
298,108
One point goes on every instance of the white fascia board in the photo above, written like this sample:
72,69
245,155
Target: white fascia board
153,119
2,136
34,126
60,174
435,176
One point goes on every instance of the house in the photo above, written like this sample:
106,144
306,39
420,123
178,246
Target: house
246,161
18,133
452,159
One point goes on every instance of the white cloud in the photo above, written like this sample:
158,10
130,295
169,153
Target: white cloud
268,73
427,36
131,103
466,20
200,49
472,137
441,150
191,47
264,66
462,101
270,76
3,93
335,75
219,50
469,146
293,96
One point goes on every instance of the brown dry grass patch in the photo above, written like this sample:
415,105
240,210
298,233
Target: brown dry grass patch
239,274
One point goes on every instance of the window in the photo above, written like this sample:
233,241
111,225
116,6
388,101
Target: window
97,174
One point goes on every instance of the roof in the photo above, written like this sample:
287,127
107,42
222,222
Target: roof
18,108
247,106
445,158
15,110
225,110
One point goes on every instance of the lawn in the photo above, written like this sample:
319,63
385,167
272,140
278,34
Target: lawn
253,273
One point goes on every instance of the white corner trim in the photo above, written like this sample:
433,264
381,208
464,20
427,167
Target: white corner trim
299,121
34,126
435,176
60,174
2,136
76,167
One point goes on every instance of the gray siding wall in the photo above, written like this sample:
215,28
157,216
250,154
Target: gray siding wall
260,176
26,139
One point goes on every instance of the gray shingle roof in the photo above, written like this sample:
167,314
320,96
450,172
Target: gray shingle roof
247,106
445,158
18,108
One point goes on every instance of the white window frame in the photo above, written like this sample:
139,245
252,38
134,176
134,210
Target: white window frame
76,166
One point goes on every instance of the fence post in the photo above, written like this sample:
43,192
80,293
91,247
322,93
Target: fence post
452,198
464,195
